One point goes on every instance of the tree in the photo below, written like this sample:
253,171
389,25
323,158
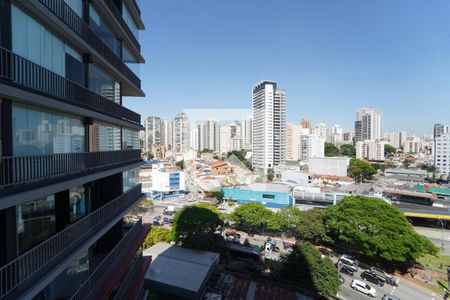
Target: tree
156,235
311,225
389,150
375,229
206,150
360,169
215,194
347,150
199,227
306,268
331,150
270,174
241,156
180,164
253,213
432,169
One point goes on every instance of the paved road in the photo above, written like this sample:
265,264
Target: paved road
435,235
405,291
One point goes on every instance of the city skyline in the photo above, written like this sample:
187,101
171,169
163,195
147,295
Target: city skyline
331,57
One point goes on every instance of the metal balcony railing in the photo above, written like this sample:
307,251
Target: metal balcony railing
107,264
115,11
25,170
52,251
79,26
19,71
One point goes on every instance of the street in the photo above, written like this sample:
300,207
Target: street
405,290
436,236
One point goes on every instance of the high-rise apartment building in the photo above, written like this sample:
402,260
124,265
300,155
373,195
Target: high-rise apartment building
305,124
181,133
225,138
269,125
442,153
368,124
321,130
370,150
69,154
311,146
209,136
292,142
153,127
247,132
439,129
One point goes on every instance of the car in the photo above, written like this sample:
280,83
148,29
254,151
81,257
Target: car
369,276
166,222
390,297
325,251
346,270
348,264
363,287
156,223
349,259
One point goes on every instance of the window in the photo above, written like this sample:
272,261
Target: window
129,60
33,42
77,203
38,132
103,31
131,139
128,18
35,222
268,196
104,137
102,84
130,179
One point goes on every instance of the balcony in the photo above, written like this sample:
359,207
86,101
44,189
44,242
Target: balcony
60,9
25,172
20,274
102,280
115,11
18,71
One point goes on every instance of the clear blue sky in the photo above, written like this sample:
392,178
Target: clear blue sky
331,56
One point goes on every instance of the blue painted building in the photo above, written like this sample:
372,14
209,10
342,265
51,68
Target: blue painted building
269,194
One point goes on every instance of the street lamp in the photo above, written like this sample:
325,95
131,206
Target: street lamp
442,236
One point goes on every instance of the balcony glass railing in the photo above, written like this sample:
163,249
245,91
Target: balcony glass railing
15,172
19,71
79,26
28,267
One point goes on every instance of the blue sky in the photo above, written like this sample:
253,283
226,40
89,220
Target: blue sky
331,56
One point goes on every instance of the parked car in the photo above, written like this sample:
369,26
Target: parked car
347,270
325,251
156,223
390,297
364,288
341,279
348,264
369,276
388,278
350,260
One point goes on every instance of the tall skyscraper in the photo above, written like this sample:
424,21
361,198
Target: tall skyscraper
152,126
439,129
209,135
181,133
70,152
368,124
292,142
269,125
442,153
247,125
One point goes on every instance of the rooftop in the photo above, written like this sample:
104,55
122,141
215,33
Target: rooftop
266,187
177,268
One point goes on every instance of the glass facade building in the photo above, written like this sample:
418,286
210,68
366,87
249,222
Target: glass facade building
69,150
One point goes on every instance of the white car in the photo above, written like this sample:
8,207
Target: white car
364,288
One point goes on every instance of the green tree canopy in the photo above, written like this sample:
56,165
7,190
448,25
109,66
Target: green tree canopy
206,150
311,225
389,150
270,174
241,156
253,213
360,169
306,268
180,164
156,235
348,150
331,150
375,229
199,227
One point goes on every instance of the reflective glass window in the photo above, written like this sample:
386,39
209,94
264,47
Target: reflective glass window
35,222
131,139
104,137
130,179
77,203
